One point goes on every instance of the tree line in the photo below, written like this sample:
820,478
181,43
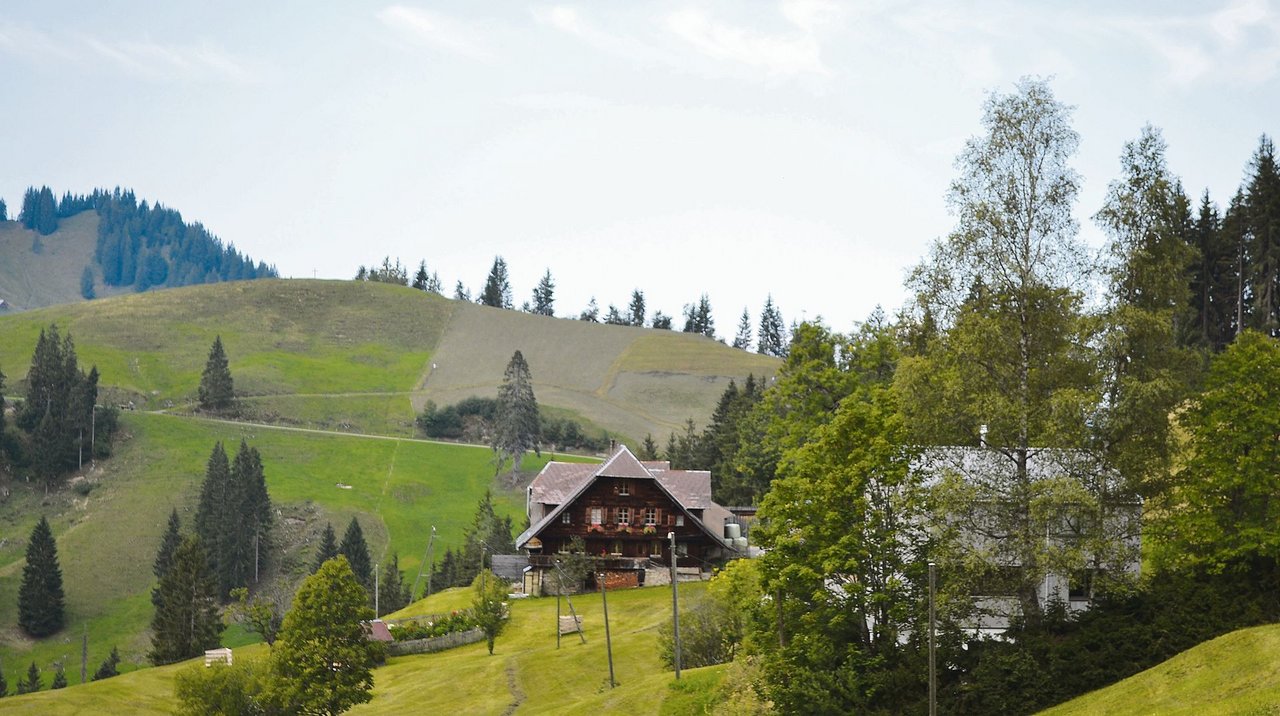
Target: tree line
1011,425
769,335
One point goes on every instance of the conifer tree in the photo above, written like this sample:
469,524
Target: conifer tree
216,391
615,318
648,449
40,597
31,683
743,338
661,321
59,679
1262,206
421,280
328,548
393,593
772,339
246,536
544,296
86,284
497,287
591,313
635,311
108,667
164,555
460,293
186,621
517,427
4,211
356,550
697,318
212,512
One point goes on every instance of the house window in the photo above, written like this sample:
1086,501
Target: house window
1080,587
565,519
597,515
655,548
623,488
650,516
624,515
679,520
616,547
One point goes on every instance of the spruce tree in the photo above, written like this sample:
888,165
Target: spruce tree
86,284
497,287
245,538
1262,204
31,684
40,597
186,621
772,337
460,293
59,679
328,548
212,512
356,550
591,313
164,555
544,296
421,279
216,390
742,339
393,593
635,311
517,427
108,667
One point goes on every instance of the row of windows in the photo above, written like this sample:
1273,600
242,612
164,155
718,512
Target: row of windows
655,548
622,516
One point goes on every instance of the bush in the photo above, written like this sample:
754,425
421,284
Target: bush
455,622
220,689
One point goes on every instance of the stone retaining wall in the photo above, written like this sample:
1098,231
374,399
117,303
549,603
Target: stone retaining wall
435,643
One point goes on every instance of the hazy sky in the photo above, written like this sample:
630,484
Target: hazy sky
800,147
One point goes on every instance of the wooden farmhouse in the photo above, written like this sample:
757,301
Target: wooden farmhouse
624,511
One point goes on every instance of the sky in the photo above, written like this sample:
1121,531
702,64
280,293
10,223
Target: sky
800,148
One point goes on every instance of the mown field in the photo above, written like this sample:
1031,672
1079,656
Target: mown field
31,280
1233,675
107,537
526,670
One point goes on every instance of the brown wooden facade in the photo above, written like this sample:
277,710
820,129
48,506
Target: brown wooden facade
628,518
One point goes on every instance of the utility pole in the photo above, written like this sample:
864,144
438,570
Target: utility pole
675,603
255,558
933,666
84,655
557,619
376,614
426,562
608,643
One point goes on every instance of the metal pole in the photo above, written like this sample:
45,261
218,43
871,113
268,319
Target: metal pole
933,665
84,655
255,558
557,619
608,643
675,603
375,591
426,562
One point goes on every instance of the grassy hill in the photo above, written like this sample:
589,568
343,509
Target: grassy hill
526,669
1237,673
52,276
359,356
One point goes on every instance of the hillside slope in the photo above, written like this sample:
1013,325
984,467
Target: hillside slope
358,356
1237,673
52,276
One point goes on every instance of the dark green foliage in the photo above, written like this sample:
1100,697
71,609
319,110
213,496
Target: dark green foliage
1262,250
216,390
445,624
164,555
497,287
31,683
233,518
59,408
421,279
4,216
635,311
772,338
150,246
356,550
614,317
393,593
40,597
323,662
235,690
697,318
39,210
261,614
516,423
648,449
394,274
4,684
327,550
460,292
109,666
186,621
661,321
742,339
591,313
544,296
59,679
487,535
1214,276
86,284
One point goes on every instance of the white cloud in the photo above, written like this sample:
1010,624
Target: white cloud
786,54
144,59
437,30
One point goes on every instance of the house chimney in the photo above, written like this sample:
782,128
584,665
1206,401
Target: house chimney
982,435
613,446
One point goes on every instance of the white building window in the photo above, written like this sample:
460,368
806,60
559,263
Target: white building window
565,519
597,515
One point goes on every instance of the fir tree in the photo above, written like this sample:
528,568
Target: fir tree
164,555
648,449
4,216
186,621
328,548
772,340
40,597
59,679
544,296
615,318
488,535
421,279
743,338
216,391
212,512
1262,206
497,287
517,428
460,293
697,318
393,593
661,321
591,313
31,684
356,550
109,666
635,311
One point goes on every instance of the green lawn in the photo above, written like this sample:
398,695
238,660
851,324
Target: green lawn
1238,673
107,538
526,668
